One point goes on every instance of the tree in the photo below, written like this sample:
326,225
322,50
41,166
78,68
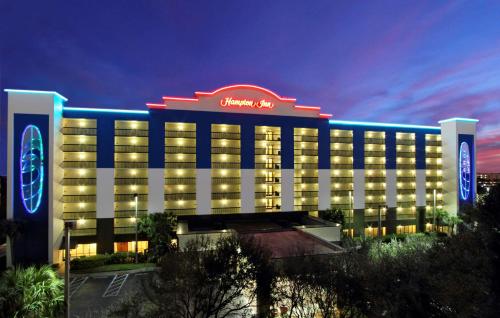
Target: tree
31,292
159,228
202,281
333,215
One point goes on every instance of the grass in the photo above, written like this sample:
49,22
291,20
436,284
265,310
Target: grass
114,267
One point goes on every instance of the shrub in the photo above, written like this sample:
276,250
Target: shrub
31,292
87,262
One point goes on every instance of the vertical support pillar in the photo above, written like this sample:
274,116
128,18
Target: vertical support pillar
287,172
203,168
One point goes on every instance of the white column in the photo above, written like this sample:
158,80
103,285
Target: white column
420,191
359,189
203,191
390,188
156,190
324,184
247,190
105,191
287,190
450,129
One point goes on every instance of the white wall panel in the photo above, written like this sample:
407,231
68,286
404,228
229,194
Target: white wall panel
247,190
203,191
390,188
105,181
287,190
324,184
359,188
156,190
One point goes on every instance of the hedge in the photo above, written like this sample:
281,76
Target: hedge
86,262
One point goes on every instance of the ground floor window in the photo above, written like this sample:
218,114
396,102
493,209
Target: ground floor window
373,231
406,229
130,246
83,250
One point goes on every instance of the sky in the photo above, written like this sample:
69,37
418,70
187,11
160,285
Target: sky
412,62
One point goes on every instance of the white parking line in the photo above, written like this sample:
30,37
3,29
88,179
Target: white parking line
76,283
115,286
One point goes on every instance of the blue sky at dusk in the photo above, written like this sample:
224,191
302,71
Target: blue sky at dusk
390,61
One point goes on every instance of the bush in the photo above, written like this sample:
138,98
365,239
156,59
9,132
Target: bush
87,262
31,292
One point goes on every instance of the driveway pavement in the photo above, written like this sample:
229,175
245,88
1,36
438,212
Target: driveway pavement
97,294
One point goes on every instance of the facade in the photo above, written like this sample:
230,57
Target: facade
240,149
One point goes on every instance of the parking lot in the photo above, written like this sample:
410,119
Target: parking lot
91,296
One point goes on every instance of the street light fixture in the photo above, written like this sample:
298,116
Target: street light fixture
68,226
434,211
136,198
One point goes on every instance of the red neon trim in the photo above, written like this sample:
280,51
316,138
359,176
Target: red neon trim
325,115
307,107
283,99
180,99
152,105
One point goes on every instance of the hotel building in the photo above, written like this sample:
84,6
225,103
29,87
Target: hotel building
240,149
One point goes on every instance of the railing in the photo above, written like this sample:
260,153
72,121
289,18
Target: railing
307,180
75,215
228,210
180,165
79,131
300,165
342,140
78,148
175,181
341,153
176,150
131,132
305,152
405,142
226,165
130,197
433,154
131,181
434,143
139,149
130,164
226,195
187,211
226,180
377,141
305,138
78,198
227,150
272,166
179,196
274,137
226,135
305,194
370,153
77,181
265,151
374,166
180,134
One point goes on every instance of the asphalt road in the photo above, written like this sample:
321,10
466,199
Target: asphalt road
88,300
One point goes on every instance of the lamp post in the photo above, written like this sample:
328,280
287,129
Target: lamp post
380,219
68,226
434,211
351,215
136,198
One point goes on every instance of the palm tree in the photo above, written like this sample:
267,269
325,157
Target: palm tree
31,292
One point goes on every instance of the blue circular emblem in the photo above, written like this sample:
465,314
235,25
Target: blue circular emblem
31,164
465,173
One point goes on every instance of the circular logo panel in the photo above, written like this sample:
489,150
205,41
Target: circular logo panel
464,167
31,164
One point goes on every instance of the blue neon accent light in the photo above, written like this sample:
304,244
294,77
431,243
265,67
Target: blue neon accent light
365,123
31,164
24,91
105,110
465,171
471,120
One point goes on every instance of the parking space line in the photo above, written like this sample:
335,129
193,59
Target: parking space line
115,286
76,283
